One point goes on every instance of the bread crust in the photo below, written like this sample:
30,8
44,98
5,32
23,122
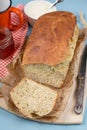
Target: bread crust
48,42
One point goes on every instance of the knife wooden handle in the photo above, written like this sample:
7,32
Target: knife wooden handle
79,94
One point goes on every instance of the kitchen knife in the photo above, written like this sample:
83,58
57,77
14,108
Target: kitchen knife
81,82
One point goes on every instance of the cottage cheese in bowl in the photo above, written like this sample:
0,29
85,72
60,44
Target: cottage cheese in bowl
36,8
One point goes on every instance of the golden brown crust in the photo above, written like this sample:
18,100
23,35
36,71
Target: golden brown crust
48,42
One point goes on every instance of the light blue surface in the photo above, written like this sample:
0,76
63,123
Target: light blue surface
11,122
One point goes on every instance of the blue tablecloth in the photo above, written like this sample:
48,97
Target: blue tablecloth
9,121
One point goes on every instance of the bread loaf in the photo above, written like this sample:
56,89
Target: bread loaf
34,98
50,48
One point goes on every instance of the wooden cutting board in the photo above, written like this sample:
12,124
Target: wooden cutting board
65,114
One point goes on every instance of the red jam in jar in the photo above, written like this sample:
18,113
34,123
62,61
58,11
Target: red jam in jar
6,43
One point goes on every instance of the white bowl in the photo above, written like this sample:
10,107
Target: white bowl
36,8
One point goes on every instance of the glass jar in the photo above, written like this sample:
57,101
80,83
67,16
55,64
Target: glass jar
6,43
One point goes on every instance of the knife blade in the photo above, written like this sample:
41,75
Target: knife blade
81,82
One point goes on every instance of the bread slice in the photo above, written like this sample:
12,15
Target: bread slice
50,48
33,98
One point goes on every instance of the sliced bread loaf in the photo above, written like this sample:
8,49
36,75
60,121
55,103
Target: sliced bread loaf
50,48
33,98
